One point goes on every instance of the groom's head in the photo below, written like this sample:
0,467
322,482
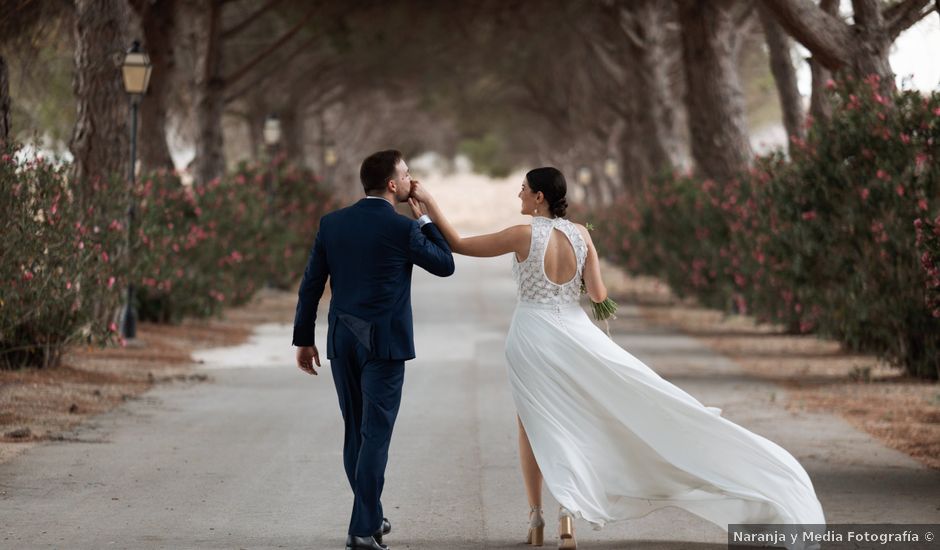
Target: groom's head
385,173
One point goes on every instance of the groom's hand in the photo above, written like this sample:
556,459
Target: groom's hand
306,356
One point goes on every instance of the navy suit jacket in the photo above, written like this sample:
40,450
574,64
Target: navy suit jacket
367,250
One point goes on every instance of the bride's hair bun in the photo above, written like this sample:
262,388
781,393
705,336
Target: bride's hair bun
551,182
559,207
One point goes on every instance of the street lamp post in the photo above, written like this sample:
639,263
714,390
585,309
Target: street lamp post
136,71
329,161
272,136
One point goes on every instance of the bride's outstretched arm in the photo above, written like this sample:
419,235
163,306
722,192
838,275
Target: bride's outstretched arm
512,239
592,270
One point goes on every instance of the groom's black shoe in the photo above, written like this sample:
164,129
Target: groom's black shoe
386,529
363,543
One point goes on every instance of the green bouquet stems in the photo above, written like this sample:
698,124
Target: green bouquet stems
604,310
601,310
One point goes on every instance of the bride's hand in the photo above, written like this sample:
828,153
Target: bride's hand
415,207
418,192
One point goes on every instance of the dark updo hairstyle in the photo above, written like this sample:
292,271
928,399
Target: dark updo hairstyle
551,182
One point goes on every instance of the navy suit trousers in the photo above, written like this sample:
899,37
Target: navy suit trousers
369,392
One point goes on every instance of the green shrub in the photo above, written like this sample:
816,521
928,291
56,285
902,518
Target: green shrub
823,242
210,246
59,260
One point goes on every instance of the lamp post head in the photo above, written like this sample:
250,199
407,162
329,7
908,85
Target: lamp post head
136,70
610,168
329,155
584,175
272,130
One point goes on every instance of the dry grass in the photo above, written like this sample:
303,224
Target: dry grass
819,375
41,404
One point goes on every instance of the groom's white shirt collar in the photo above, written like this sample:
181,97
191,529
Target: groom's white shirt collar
421,221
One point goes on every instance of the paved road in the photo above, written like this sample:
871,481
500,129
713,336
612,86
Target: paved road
253,458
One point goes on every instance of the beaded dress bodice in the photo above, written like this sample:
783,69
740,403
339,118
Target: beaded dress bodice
533,285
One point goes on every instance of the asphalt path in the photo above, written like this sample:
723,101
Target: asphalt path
252,458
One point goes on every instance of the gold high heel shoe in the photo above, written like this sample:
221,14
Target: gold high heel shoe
536,527
566,530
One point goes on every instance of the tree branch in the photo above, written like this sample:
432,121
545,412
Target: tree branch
243,70
826,36
903,15
244,23
272,70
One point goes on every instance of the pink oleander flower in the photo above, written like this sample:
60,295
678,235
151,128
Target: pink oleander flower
864,192
110,282
112,327
810,215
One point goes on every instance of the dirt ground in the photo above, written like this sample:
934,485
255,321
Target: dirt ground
902,412
42,404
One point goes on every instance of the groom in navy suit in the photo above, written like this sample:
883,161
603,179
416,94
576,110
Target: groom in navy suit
367,250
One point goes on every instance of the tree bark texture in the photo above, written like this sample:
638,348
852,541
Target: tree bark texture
657,104
100,142
862,47
158,20
819,106
210,87
781,66
714,98
5,105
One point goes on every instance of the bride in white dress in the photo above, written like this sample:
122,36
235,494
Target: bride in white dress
611,438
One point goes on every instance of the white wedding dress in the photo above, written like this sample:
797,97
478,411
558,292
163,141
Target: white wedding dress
616,441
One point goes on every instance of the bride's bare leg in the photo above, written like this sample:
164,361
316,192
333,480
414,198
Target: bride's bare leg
531,473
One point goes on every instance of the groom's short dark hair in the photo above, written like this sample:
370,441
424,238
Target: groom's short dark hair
377,169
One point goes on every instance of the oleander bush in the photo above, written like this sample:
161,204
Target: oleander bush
66,256
217,244
59,260
835,240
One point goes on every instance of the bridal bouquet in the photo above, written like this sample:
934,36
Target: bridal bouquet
603,310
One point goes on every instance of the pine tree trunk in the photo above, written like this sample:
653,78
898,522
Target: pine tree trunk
781,66
714,98
210,159
100,142
292,123
5,106
871,49
861,48
657,104
157,20
634,153
819,106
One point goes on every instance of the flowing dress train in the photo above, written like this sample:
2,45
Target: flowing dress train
615,440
